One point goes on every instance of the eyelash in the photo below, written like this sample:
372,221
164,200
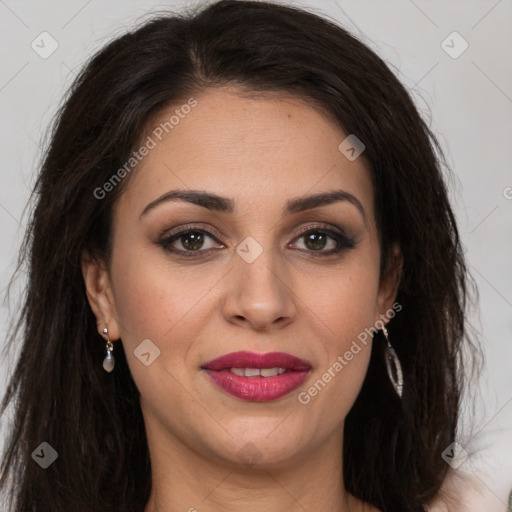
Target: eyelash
343,241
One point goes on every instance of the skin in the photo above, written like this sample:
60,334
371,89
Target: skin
259,151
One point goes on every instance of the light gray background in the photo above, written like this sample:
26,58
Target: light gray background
469,101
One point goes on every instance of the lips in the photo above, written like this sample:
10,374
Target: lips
252,360
258,377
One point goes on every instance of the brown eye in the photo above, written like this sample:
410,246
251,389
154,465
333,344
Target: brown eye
192,240
189,242
324,241
315,240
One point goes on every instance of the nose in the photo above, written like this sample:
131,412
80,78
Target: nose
260,294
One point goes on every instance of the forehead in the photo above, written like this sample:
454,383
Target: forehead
258,150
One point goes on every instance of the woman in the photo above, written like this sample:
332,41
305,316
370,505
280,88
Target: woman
247,289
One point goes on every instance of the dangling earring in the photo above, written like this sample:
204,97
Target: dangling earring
108,362
393,365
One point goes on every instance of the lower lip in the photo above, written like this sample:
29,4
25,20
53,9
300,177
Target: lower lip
258,389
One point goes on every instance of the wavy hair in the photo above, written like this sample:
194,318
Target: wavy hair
59,391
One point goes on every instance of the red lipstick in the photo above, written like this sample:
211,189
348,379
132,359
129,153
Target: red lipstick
258,377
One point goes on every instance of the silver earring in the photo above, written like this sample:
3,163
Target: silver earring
109,361
393,365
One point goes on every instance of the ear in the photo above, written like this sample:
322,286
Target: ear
388,286
99,293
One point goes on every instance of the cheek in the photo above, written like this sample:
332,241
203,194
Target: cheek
152,300
346,306
344,300
167,306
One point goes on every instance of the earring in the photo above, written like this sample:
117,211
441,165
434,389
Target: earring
108,362
393,365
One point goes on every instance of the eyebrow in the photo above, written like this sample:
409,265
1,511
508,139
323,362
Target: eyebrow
221,204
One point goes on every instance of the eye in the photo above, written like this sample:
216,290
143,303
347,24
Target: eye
324,241
188,242
193,242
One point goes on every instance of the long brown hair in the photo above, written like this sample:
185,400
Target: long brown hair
59,390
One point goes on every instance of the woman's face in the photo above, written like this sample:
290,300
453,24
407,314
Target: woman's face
242,277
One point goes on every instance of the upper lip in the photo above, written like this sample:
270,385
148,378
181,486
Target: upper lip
245,359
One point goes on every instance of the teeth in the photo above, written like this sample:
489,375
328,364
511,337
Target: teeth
258,372
271,372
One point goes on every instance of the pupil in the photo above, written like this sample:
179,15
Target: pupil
197,240
317,239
